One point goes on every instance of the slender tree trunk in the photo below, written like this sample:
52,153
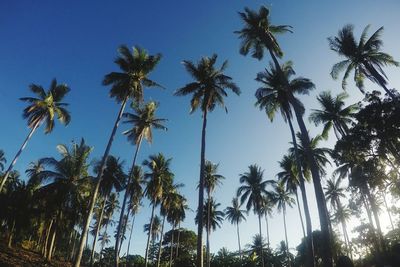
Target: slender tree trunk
177,243
71,256
146,256
200,261
301,216
127,192
262,248
96,189
171,252
98,229
160,243
267,224
310,262
326,254
124,231
240,249
130,236
47,238
53,238
387,210
208,227
345,237
374,208
286,238
17,155
10,236
275,60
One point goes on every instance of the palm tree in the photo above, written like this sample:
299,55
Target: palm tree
235,216
289,177
112,205
113,178
2,160
159,178
256,247
254,190
135,67
142,120
275,95
42,109
282,199
333,114
35,168
104,240
364,57
266,210
334,192
208,89
213,218
258,34
211,180
153,229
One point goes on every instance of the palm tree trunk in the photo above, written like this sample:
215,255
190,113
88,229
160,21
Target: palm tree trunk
286,239
374,209
301,216
177,243
172,245
17,155
262,248
275,60
71,255
345,237
124,231
208,227
96,189
238,236
326,254
266,223
381,81
130,236
47,238
160,243
98,229
146,256
310,246
387,210
53,238
10,236
121,216
201,194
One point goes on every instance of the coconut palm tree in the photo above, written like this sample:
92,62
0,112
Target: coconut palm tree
112,205
364,57
42,109
213,218
282,199
208,90
2,160
153,229
257,246
104,239
129,83
113,178
254,190
333,114
142,121
290,178
273,96
158,178
258,34
235,216
266,210
33,171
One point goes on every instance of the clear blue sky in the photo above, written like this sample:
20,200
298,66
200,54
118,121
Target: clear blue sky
76,42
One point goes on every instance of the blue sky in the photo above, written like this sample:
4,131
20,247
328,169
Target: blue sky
76,42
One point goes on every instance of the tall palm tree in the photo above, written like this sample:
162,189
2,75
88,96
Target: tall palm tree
266,210
113,178
289,177
159,178
129,83
235,216
254,190
208,90
112,205
42,109
2,160
143,120
275,95
333,114
213,218
257,246
258,34
153,229
282,199
364,57
211,180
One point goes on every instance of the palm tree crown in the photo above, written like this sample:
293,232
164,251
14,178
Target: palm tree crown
216,216
233,213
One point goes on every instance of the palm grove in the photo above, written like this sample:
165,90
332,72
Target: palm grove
67,197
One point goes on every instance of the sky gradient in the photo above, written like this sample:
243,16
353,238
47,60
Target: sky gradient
76,42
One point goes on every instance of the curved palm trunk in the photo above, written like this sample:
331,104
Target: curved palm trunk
267,224
130,236
146,256
201,194
160,243
310,246
238,236
262,249
121,216
286,239
97,230
17,155
96,189
171,252
326,254
301,216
